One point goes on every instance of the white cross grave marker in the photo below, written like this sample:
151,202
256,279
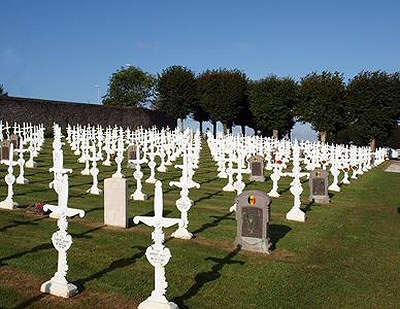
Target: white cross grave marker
62,241
157,254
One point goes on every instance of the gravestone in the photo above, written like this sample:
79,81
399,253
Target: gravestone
257,168
116,202
15,139
253,214
131,155
318,183
5,150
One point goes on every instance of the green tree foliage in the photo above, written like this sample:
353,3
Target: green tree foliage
2,91
177,91
374,102
272,100
130,87
322,102
223,94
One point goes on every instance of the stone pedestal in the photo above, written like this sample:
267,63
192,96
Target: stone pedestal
296,214
116,202
56,288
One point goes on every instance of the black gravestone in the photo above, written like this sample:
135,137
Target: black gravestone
5,150
253,216
318,183
257,168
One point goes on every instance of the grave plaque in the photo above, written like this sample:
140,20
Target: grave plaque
131,155
257,168
15,139
253,216
318,183
5,150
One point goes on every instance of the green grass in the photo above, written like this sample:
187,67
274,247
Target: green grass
346,255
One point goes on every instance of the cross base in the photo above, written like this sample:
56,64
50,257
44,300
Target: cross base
334,187
30,164
8,204
22,181
138,196
152,304
296,214
273,194
94,191
228,188
150,180
65,290
182,233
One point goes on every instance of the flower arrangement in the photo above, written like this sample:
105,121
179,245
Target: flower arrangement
37,209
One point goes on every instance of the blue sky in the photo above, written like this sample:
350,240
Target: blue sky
61,50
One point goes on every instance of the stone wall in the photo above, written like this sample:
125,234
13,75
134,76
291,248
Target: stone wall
14,109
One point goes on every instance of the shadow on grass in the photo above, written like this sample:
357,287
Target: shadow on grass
208,196
214,223
29,302
17,223
276,233
44,246
85,234
205,277
121,263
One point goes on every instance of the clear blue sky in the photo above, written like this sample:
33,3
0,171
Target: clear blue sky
61,49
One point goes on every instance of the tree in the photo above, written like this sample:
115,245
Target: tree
223,94
177,91
272,100
374,103
2,91
322,102
130,87
199,114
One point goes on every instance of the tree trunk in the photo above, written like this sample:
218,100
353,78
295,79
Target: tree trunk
243,129
373,144
323,136
225,128
201,127
214,123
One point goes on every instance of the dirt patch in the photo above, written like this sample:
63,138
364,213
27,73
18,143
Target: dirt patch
29,286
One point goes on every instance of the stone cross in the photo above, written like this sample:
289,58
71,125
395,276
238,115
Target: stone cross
8,203
138,195
94,171
184,203
21,162
296,214
157,254
62,241
119,158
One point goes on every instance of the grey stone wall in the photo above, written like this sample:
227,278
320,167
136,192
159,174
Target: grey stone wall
15,109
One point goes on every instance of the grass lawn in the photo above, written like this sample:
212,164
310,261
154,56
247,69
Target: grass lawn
346,255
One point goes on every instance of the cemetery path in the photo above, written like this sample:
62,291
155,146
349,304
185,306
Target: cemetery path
394,167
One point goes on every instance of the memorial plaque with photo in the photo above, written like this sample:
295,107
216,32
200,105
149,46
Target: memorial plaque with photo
256,169
318,182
